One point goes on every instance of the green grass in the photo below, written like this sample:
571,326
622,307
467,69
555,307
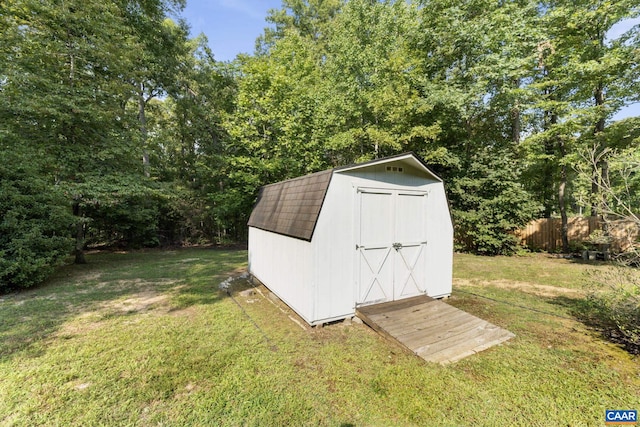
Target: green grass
146,338
542,269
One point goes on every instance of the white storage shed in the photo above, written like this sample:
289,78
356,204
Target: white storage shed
363,234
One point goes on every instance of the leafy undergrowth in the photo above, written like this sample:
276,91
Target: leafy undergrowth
613,306
146,338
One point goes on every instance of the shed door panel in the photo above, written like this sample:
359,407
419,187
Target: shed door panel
411,234
391,246
375,261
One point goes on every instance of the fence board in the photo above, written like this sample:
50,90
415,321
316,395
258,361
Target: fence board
546,233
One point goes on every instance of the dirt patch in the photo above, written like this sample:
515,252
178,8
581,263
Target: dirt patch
239,273
186,391
530,288
141,301
188,312
72,329
132,283
89,276
82,386
146,301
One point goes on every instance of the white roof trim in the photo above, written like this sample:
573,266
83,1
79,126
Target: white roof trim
411,157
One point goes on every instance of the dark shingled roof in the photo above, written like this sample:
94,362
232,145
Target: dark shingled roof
291,207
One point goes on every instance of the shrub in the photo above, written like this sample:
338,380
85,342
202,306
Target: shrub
128,220
613,306
489,205
35,226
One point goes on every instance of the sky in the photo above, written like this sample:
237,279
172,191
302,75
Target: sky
232,27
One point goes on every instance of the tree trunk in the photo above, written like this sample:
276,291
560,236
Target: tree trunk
516,126
594,192
549,168
142,117
548,174
603,165
563,205
79,232
562,188
79,248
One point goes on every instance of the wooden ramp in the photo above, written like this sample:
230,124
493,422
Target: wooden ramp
432,329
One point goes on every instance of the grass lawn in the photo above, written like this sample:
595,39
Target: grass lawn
146,338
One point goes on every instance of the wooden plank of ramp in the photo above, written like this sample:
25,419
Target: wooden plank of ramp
432,329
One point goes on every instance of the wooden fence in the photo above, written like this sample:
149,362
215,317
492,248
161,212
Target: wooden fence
546,233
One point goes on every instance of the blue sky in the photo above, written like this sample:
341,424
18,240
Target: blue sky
232,27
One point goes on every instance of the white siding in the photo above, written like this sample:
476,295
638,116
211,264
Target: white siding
439,243
334,240
318,279
284,265
333,253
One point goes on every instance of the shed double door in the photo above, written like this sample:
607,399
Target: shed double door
391,245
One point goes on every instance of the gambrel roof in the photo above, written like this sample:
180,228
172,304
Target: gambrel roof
292,207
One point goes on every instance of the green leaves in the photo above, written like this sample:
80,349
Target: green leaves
498,97
490,205
65,82
35,226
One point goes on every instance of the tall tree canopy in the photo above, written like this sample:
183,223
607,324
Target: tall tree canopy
146,138
68,72
466,85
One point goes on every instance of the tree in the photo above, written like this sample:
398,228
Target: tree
580,87
34,231
200,150
596,69
160,68
308,18
359,80
477,58
67,71
63,90
618,190
491,205
370,104
190,151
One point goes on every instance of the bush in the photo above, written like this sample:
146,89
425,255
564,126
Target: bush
489,205
35,227
124,220
613,306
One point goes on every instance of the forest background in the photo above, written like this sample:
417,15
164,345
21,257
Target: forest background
118,128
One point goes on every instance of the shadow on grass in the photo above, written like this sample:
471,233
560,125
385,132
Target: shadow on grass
111,285
597,318
576,307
